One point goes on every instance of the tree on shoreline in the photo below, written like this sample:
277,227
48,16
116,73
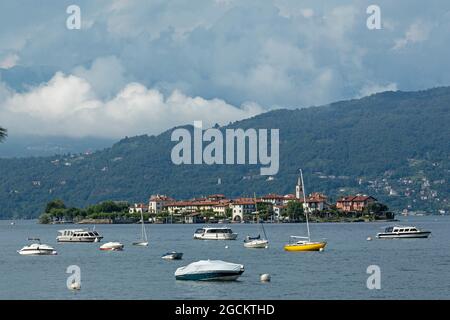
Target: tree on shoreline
3,134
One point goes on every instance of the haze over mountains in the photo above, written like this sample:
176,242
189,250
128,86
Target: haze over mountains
393,145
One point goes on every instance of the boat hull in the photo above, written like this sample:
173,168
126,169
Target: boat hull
217,236
316,246
211,276
112,246
140,244
406,235
256,244
173,256
37,252
112,249
83,240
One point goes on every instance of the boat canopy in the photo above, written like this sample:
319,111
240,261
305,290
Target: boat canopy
206,266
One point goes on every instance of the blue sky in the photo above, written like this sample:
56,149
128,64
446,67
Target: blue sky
137,67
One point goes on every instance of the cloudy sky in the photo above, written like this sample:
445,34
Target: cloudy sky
137,67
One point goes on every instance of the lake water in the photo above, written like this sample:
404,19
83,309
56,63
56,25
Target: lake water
410,269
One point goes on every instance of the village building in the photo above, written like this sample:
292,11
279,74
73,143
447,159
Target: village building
354,203
138,208
241,207
157,202
316,202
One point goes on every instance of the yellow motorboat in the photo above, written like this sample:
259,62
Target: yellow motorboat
305,246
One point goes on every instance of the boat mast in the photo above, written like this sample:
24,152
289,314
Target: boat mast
257,216
305,206
143,233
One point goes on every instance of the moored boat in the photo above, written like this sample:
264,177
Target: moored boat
305,243
78,235
257,242
403,232
172,255
210,270
37,249
219,233
144,240
112,246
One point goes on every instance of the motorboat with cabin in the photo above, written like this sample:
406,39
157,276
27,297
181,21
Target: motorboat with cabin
402,232
210,270
37,249
219,233
78,235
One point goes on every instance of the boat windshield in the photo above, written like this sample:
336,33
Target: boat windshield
389,229
219,231
199,231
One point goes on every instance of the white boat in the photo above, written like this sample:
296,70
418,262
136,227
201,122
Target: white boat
78,235
403,232
144,241
172,255
210,270
257,242
304,243
220,233
112,246
37,249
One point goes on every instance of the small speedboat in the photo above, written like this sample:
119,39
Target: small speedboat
112,246
210,270
255,242
37,249
172,255
403,232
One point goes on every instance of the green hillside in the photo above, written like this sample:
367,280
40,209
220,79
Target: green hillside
393,145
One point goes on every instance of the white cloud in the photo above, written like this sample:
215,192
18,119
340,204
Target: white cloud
373,88
9,61
417,32
68,106
106,75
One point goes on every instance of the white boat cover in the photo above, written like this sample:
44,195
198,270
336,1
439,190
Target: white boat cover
208,266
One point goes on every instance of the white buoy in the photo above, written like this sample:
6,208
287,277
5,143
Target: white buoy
369,238
267,247
75,286
226,247
321,249
265,277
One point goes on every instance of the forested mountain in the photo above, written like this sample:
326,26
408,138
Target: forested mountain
393,145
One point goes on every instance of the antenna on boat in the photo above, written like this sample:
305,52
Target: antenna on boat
304,205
